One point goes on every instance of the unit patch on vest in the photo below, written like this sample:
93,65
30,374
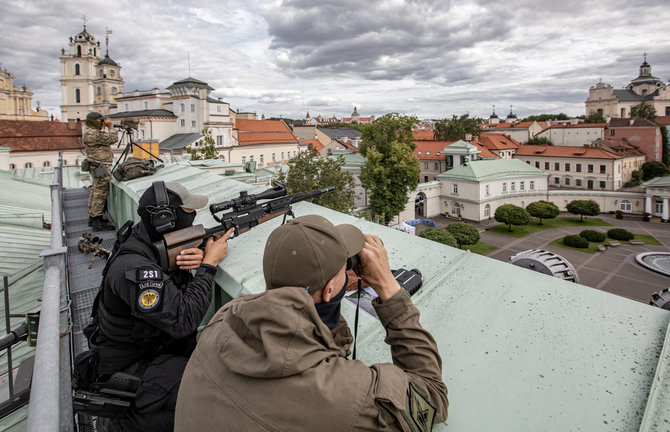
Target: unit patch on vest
149,274
419,412
149,297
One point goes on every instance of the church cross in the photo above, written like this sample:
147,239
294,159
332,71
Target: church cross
83,17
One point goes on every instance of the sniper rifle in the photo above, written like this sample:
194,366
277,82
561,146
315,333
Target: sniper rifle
245,214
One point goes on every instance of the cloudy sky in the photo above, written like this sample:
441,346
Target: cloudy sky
428,58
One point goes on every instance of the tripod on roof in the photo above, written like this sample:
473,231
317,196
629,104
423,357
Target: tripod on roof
127,127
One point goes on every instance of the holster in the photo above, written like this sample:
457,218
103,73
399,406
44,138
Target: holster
100,170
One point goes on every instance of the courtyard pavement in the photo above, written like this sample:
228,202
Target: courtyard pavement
614,270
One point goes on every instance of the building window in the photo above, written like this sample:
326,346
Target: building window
142,133
294,153
437,166
590,168
578,167
46,164
192,123
182,107
626,206
537,164
274,158
111,72
182,123
603,169
12,166
77,96
512,186
546,165
218,108
532,185
602,185
282,155
192,107
64,162
425,165
667,110
611,132
28,165
504,187
578,182
522,186
528,162
251,158
567,167
487,210
261,158
425,179
454,188
244,159
76,69
146,105
567,181
125,106
114,90
488,190
78,50
99,91
557,166
219,141
557,180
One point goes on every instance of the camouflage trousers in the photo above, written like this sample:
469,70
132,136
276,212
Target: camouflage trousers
99,192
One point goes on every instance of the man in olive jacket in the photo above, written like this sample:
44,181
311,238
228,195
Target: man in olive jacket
277,360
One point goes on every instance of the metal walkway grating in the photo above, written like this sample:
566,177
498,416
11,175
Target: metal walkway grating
83,281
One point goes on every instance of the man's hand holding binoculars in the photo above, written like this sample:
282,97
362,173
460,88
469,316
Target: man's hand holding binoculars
376,271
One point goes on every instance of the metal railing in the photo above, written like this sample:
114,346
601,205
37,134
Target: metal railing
50,407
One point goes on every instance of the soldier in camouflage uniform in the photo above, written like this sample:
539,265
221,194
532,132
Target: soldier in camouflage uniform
97,144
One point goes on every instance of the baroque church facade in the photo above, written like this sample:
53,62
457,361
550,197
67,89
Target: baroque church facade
89,81
610,102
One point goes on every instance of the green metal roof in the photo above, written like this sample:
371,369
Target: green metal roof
491,169
658,182
73,177
20,197
351,159
520,350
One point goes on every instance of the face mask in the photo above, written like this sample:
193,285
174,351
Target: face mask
330,312
184,219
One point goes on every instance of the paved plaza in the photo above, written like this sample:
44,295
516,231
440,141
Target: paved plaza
614,270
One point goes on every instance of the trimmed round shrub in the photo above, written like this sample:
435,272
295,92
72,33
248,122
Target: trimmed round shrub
593,236
576,241
620,234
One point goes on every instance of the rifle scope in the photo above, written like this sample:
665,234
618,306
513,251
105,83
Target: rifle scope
247,200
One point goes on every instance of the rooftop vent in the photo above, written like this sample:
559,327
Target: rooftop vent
546,262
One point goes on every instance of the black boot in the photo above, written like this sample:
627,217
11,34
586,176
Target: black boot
99,224
90,221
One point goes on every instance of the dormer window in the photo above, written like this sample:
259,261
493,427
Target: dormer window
427,153
419,153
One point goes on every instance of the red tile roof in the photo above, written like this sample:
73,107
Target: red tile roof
431,150
23,135
423,135
664,120
483,151
315,143
626,122
518,125
258,132
495,141
565,152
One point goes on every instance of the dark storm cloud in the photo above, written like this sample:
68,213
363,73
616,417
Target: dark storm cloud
383,41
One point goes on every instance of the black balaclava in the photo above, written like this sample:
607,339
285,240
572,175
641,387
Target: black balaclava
329,312
148,202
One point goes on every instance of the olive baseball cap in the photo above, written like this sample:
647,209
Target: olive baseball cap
92,116
188,200
308,251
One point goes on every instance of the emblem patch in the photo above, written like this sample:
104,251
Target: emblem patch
148,299
419,413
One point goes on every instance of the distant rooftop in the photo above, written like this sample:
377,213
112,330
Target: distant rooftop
495,169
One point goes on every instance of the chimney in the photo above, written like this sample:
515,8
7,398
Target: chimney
631,121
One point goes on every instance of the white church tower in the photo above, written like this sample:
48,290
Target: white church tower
88,82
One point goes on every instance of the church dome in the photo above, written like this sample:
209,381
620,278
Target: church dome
107,61
85,36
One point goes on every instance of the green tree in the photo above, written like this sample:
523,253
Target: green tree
457,127
543,210
594,117
464,233
439,235
510,214
654,169
644,110
391,170
583,208
308,173
207,148
539,141
545,117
